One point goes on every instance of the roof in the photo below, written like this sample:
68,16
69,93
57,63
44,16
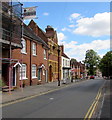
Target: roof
29,33
64,55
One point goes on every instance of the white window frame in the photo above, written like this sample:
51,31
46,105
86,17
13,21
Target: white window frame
23,72
45,55
34,52
23,50
34,71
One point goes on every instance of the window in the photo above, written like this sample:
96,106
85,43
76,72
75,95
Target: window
63,62
45,57
23,72
33,71
24,46
33,48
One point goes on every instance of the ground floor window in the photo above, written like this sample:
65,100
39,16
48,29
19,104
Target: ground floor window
33,71
23,72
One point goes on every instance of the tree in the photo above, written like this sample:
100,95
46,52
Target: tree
106,64
91,61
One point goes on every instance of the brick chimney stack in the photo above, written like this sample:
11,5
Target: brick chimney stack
50,31
62,48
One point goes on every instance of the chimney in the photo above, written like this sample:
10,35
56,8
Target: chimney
62,48
50,31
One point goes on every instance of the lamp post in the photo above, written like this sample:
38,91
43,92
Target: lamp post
58,66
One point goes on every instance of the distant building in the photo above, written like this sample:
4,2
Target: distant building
77,69
65,66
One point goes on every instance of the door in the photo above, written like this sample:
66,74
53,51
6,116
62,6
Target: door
50,73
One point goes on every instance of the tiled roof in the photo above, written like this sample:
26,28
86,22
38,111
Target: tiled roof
29,33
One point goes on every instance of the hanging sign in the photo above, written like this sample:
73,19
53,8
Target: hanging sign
29,13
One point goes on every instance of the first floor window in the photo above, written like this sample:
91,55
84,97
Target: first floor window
24,46
23,72
45,57
33,48
33,71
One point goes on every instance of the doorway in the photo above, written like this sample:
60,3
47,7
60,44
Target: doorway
50,73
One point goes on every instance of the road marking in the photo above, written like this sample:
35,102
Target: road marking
51,98
91,107
89,117
33,96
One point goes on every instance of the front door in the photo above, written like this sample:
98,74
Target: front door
50,73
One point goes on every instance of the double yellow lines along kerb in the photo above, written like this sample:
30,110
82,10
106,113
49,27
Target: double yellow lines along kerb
93,106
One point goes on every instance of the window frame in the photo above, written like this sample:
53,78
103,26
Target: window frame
34,49
34,71
24,44
23,73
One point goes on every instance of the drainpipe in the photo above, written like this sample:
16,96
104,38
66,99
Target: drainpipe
30,63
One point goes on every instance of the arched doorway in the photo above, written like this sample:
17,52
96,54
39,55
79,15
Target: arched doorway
50,73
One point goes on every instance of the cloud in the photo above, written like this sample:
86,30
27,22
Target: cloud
96,26
66,29
45,14
73,16
75,50
72,26
61,37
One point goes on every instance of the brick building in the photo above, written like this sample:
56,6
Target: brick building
34,59
65,67
77,69
54,56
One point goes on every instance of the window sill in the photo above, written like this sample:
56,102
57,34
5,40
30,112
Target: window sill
34,77
24,53
24,79
34,55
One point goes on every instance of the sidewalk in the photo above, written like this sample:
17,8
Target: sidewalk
104,108
106,112
28,91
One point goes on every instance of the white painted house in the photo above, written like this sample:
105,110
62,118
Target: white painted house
65,68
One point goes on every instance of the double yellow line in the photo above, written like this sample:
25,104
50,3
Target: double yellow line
92,107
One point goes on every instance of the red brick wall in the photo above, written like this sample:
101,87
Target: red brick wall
16,54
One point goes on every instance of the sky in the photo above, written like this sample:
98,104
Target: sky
80,26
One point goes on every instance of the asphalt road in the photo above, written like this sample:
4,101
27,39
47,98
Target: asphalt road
70,102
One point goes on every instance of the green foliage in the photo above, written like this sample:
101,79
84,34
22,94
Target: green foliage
92,60
106,64
73,60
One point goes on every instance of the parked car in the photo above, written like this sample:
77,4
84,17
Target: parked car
92,77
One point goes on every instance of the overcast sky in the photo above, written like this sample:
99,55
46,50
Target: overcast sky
80,25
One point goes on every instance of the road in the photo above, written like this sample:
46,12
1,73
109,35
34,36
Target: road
69,102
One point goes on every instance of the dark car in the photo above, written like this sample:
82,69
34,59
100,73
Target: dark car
92,77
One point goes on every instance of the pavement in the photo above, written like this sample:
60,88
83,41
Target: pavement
29,91
104,108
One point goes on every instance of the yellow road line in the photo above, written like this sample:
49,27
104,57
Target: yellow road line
27,98
94,107
86,116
